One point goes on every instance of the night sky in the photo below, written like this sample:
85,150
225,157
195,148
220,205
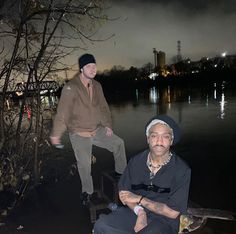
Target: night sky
204,27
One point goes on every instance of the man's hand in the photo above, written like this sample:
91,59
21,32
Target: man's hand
128,197
55,140
141,221
109,131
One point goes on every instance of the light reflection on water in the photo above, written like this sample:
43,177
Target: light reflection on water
191,105
153,95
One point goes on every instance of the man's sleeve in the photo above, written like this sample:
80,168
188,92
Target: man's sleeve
125,179
179,196
64,110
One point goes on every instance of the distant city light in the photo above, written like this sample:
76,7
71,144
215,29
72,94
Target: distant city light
223,54
153,75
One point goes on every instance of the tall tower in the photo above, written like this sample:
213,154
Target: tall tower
155,58
161,60
179,56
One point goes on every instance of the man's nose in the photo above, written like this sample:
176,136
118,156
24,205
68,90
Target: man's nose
159,138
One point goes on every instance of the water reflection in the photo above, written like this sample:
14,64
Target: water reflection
160,96
207,100
165,96
136,95
153,95
215,92
189,99
168,94
222,106
221,94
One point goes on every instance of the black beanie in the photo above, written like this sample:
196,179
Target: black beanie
170,122
86,59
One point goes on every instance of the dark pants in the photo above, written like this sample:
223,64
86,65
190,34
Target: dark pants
122,221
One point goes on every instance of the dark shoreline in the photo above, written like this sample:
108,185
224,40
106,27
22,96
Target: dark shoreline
197,79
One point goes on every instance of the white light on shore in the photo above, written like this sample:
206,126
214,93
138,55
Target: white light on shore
153,75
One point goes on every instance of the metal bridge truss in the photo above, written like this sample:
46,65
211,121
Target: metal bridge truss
44,85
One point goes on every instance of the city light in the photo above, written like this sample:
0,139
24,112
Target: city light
153,76
224,54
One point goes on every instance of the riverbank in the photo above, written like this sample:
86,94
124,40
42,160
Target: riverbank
54,205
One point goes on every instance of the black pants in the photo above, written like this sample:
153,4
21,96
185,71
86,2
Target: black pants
122,221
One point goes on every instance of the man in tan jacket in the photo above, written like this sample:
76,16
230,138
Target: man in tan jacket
84,112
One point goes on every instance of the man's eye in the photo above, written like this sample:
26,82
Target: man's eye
167,137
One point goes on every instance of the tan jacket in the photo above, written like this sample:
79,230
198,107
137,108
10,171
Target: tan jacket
77,113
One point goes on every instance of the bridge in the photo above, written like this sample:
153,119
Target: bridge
51,86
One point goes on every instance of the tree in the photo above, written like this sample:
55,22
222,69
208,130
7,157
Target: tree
37,38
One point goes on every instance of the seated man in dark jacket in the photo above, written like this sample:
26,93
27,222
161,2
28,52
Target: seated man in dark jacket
154,187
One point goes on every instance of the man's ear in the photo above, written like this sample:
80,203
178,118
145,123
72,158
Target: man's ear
81,70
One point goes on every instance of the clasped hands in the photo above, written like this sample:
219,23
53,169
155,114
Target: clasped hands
128,197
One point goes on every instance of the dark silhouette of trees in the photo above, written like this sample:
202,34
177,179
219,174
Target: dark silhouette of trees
36,39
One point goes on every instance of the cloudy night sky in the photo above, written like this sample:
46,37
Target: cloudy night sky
204,27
